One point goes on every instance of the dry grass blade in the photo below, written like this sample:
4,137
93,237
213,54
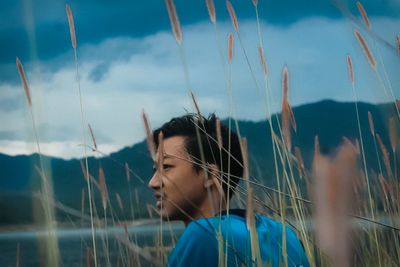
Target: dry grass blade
393,135
364,15
385,155
126,231
149,136
299,160
371,123
243,147
365,48
358,147
218,131
195,105
277,140
232,14
263,62
316,146
211,10
119,201
173,17
24,81
160,159
18,255
83,200
71,25
350,68
83,170
351,145
93,138
89,257
230,47
333,179
292,118
103,188
127,172
285,109
384,185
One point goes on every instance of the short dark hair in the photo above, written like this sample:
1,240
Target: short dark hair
186,125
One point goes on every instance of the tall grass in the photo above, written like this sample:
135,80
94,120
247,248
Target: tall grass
343,214
51,249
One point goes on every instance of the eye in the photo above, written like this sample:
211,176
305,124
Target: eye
167,166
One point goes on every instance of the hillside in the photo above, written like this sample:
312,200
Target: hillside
328,119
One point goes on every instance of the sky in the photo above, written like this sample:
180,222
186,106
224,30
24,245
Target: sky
129,61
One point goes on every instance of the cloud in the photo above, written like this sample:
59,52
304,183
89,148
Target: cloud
26,28
121,76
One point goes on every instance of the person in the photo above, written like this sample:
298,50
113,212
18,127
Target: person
197,168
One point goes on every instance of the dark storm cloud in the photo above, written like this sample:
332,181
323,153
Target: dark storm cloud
97,20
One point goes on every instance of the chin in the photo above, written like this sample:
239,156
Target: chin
171,216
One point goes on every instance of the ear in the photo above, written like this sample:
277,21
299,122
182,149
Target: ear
209,176
214,178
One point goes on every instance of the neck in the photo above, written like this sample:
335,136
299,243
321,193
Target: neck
211,206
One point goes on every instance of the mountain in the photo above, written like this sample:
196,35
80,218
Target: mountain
329,120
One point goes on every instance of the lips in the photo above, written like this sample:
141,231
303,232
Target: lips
159,198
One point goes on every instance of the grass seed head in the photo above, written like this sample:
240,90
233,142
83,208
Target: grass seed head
285,83
174,19
393,135
364,46
385,155
232,14
24,81
119,201
103,188
149,135
350,69
93,138
230,47
211,10
363,15
286,125
127,172
263,61
371,123
71,25
218,132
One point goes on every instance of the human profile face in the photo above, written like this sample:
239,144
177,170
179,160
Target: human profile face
178,188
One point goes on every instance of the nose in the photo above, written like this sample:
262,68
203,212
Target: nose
155,181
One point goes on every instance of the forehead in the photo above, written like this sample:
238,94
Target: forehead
175,146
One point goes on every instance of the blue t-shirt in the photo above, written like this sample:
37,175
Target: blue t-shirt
199,246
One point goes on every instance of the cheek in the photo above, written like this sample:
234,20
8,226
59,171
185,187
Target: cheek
183,185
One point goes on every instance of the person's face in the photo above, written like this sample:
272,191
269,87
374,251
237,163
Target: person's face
178,188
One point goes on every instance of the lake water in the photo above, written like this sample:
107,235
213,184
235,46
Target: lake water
73,244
